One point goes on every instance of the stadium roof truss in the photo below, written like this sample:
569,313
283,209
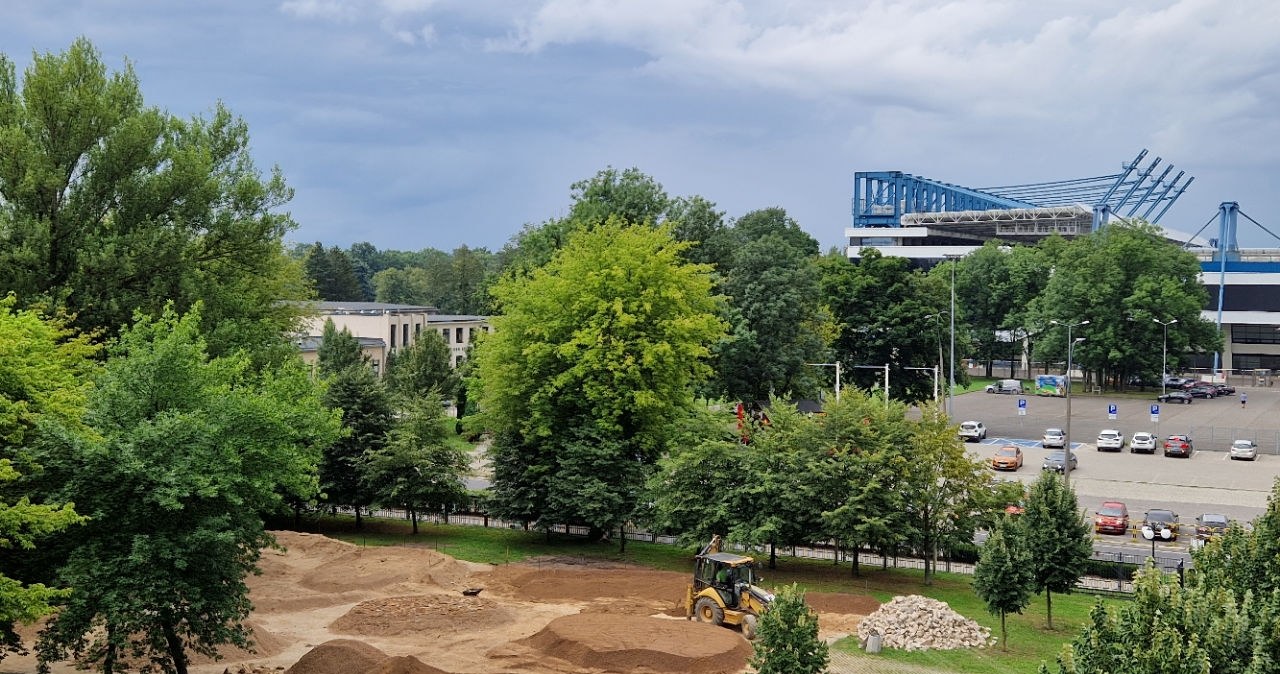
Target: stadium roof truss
895,199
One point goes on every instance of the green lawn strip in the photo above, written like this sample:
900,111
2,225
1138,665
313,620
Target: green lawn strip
1030,642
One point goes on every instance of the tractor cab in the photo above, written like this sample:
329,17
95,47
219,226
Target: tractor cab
724,590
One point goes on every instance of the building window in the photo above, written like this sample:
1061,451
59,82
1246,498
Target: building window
417,330
1255,334
405,340
375,366
445,333
393,336
457,335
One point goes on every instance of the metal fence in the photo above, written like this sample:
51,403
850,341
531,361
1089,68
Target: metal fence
1219,439
1124,563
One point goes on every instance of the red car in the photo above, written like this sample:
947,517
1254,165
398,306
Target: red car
1178,445
1113,518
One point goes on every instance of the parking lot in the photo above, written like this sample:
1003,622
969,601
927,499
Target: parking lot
1208,481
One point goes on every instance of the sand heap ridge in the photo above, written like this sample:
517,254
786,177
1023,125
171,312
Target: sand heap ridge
624,643
347,656
424,615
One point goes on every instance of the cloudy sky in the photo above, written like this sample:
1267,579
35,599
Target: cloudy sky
438,123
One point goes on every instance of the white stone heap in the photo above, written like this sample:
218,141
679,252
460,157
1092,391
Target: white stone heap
915,623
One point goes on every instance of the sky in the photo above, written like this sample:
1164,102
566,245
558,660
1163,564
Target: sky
417,124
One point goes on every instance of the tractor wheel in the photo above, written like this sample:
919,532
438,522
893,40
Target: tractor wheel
749,627
708,611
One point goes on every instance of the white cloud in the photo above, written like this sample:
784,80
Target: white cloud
406,6
319,9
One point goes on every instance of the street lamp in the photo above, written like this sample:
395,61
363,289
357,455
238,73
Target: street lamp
1071,343
836,365
1164,353
951,390
937,333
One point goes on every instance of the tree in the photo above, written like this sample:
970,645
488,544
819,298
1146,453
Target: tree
112,207
787,641
421,367
1060,538
366,419
603,344
1002,577
402,286
186,455
696,220
338,350
628,195
417,468
333,274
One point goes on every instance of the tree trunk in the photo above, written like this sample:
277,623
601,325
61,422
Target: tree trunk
1048,606
622,538
297,516
176,652
1004,634
835,553
109,656
413,517
359,522
773,555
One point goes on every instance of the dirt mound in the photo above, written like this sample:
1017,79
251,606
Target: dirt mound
621,643
265,645
347,656
612,589
387,569
429,614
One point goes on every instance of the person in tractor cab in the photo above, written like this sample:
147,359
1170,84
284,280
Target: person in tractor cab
726,579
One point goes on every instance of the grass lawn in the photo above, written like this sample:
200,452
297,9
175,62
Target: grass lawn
1030,642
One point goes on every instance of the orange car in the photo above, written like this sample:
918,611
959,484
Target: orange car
1008,457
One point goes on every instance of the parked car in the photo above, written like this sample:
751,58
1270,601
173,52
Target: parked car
1054,437
972,430
1224,389
1110,439
1203,391
1160,524
1244,449
1176,381
1054,461
1112,518
1175,396
1178,445
1005,386
1008,457
1209,525
1143,441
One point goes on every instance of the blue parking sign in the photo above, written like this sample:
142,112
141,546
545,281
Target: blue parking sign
1155,409
1022,403
1111,409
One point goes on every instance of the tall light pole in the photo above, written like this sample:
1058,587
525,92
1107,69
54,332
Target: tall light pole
1164,353
1071,344
937,333
951,390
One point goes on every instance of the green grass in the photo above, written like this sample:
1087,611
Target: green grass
1030,642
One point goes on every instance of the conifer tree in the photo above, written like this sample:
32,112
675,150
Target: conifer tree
787,641
1002,577
1059,536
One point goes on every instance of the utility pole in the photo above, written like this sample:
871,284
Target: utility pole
836,365
1071,343
951,390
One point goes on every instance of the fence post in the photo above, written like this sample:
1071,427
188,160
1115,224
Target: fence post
1119,572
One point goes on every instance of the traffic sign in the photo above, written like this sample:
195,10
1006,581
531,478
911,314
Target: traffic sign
1155,409
1022,407
1111,411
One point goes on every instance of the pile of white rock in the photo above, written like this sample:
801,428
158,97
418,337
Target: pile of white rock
915,623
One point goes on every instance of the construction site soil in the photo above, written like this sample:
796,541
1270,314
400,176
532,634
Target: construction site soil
323,606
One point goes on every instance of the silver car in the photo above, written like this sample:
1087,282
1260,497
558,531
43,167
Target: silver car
1244,449
973,430
1054,437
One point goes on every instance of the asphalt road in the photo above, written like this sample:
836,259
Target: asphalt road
1209,481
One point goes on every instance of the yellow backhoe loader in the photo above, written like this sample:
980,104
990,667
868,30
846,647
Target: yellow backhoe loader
724,590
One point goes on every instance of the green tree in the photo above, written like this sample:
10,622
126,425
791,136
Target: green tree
367,416
333,274
1059,536
696,220
338,350
788,642
1002,577
187,454
112,207
421,367
605,341
417,469
402,286
629,195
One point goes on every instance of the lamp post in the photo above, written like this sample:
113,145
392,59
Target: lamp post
937,333
1071,343
951,390
1164,353
836,365
884,367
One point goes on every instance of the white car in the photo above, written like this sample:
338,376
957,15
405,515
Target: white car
1054,437
1110,439
1244,449
972,430
1143,442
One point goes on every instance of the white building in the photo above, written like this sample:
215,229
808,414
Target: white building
383,328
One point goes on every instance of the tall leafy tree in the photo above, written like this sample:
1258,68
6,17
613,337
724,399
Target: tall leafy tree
422,367
696,220
367,417
333,274
417,469
788,642
1058,535
1002,577
397,285
186,455
607,340
628,195
338,350
112,206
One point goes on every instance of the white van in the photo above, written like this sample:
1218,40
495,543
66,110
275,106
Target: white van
1005,386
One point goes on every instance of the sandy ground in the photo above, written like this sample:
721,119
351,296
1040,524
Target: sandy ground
328,606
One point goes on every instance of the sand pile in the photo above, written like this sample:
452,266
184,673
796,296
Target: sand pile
346,656
265,645
425,615
623,643
598,588
387,569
